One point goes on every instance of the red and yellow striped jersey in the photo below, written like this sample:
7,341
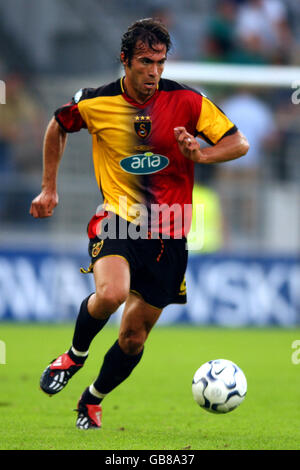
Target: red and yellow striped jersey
137,161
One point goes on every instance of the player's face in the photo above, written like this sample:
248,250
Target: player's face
144,72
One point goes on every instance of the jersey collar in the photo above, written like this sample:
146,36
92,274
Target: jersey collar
132,101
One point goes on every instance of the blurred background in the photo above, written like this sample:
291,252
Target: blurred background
248,270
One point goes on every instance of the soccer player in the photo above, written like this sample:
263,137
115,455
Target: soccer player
144,149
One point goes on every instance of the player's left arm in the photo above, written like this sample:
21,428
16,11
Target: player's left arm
228,148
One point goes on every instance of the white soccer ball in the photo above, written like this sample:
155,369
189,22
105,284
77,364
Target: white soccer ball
219,386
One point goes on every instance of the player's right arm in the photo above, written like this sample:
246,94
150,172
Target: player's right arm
54,144
66,119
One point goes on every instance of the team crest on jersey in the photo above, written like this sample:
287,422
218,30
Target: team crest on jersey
96,248
142,126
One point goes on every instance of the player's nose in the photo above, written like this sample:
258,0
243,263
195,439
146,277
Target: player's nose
153,72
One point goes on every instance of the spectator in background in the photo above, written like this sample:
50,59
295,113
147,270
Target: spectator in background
249,32
262,27
220,39
287,115
241,177
21,124
21,135
207,234
253,116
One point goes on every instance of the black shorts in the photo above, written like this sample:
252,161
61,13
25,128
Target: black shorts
157,266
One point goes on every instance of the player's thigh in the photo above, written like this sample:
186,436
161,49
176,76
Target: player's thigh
138,319
112,277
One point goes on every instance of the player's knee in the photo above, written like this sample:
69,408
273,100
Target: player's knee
109,298
132,342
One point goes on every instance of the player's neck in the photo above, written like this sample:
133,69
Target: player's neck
135,95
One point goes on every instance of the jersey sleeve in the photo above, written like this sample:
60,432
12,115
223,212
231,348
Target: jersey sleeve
213,124
68,116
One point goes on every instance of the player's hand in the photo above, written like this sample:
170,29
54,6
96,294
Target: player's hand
187,143
43,205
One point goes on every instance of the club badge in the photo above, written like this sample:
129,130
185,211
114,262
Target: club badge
142,126
96,248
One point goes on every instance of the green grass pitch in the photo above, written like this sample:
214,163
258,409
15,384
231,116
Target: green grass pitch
154,409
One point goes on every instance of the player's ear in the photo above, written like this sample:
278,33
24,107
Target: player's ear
122,59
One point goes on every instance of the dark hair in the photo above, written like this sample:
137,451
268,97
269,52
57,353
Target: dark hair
150,31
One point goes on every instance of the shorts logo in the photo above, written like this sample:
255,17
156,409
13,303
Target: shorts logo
97,248
144,164
182,289
142,126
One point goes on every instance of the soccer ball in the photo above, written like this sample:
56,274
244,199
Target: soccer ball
219,386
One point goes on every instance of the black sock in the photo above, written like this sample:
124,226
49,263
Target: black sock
77,359
86,328
89,398
116,367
